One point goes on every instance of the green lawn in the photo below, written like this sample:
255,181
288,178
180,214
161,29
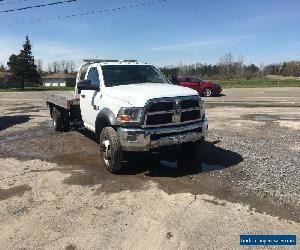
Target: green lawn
259,83
224,84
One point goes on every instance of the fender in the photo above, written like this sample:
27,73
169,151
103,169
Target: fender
108,116
104,118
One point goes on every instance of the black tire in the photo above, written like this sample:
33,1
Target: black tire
57,119
66,123
61,120
207,92
110,150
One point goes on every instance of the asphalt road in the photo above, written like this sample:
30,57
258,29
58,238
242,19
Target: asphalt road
54,193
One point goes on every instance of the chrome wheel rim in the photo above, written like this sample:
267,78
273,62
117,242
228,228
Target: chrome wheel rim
106,151
207,92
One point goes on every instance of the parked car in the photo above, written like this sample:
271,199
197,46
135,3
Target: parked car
130,106
204,88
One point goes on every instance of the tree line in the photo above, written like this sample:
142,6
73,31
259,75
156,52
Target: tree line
24,68
230,68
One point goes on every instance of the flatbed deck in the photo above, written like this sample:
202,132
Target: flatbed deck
64,100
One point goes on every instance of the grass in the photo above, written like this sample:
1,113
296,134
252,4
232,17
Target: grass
41,88
259,83
224,84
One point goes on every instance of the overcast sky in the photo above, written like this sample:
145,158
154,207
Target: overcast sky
186,31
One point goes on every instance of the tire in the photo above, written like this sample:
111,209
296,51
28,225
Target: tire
110,150
61,120
57,119
66,123
207,92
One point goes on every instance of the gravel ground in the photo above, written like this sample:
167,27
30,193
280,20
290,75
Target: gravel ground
270,167
55,194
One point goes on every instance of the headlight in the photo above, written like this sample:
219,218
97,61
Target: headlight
130,115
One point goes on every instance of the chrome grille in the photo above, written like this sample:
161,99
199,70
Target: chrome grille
172,111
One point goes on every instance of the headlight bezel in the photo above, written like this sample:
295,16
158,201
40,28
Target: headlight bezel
202,108
130,116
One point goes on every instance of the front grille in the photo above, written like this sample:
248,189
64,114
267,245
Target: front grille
159,119
172,111
190,115
190,103
161,106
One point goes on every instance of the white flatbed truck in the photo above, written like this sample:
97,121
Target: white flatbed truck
130,106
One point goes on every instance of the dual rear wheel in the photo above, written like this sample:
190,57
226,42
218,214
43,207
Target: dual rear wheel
60,120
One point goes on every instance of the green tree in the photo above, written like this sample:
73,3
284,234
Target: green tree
22,66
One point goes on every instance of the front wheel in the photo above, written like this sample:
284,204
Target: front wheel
110,150
207,92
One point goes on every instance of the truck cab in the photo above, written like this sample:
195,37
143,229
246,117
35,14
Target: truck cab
131,106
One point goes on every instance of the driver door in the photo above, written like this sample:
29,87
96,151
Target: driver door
89,100
195,84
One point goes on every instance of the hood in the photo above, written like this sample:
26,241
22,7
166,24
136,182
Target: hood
138,94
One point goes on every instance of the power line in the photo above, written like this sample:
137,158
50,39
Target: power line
12,2
86,13
37,6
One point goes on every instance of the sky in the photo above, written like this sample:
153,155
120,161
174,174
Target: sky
163,33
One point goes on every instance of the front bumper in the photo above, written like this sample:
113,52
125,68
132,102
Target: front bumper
139,139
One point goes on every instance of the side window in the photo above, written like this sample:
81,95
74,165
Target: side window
83,71
93,75
194,79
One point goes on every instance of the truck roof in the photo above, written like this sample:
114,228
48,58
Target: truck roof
113,62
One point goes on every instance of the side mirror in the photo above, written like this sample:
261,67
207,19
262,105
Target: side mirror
86,85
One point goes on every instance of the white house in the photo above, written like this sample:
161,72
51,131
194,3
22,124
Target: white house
59,79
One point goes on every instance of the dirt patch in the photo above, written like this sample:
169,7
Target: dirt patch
13,192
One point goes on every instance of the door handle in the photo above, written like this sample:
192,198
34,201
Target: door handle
83,96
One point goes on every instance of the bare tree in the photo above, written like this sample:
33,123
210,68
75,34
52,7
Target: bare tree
55,66
39,65
72,66
227,66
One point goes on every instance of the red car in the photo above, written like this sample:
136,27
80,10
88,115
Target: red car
202,87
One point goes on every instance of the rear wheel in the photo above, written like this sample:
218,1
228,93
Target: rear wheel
207,92
110,150
57,120
60,120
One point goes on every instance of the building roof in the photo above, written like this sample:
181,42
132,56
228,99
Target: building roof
59,75
4,74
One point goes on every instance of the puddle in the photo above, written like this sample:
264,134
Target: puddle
265,118
203,167
261,117
170,164
29,134
12,192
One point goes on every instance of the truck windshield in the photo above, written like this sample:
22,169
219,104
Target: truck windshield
115,75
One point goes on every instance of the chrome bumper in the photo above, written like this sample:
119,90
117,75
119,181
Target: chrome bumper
138,139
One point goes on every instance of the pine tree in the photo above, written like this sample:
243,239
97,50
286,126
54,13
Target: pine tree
22,66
